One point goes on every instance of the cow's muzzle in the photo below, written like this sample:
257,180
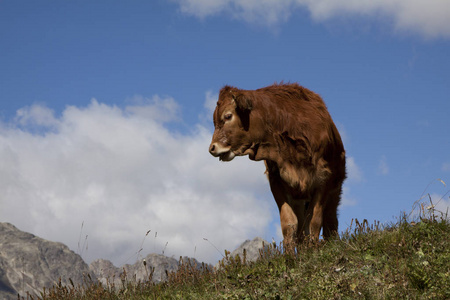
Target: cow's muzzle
224,153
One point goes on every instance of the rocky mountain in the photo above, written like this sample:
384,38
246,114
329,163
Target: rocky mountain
29,263
106,272
252,250
155,265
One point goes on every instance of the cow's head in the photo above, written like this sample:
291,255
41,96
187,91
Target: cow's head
231,121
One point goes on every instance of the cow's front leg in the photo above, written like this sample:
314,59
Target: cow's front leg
288,218
330,220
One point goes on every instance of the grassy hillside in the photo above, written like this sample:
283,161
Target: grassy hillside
406,260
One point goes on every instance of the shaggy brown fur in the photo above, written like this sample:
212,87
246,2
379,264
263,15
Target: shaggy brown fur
289,127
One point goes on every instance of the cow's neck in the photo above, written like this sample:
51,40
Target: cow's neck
294,166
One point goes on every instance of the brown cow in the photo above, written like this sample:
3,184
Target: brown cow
289,127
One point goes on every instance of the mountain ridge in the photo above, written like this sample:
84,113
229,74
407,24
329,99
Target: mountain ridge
29,263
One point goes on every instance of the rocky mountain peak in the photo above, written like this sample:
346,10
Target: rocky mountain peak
29,263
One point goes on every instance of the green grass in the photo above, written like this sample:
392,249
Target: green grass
409,259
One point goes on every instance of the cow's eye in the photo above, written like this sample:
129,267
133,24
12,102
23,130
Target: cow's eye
227,117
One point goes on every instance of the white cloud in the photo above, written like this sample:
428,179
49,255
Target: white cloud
121,172
354,174
268,12
347,198
383,167
202,8
429,18
211,102
433,204
36,115
209,106
155,108
441,205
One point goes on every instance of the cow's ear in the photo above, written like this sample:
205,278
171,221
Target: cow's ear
243,108
243,103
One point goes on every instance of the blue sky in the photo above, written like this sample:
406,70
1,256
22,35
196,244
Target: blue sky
106,114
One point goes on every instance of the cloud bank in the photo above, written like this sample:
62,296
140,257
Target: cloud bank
97,178
431,18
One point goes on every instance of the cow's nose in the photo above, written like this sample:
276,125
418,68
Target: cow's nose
212,149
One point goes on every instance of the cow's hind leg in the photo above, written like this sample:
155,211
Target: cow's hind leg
300,207
315,213
330,219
